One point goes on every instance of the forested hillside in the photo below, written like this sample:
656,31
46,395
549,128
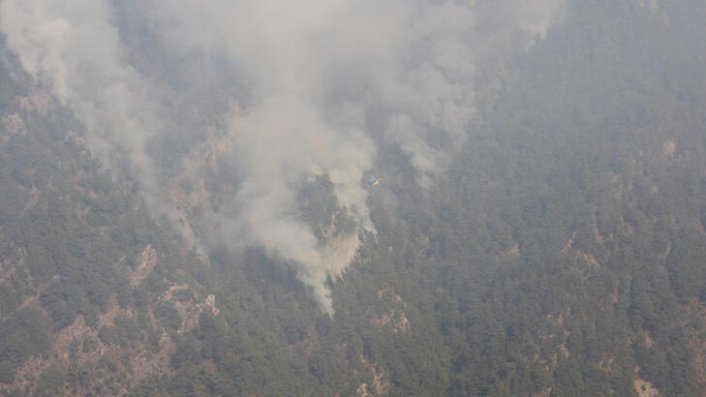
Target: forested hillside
557,250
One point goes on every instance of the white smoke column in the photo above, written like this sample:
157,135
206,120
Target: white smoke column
285,135
277,144
315,69
73,47
428,81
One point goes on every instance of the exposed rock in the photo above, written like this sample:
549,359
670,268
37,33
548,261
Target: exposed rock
188,309
8,265
544,393
564,351
107,318
696,309
363,391
649,342
13,125
512,252
395,317
585,257
644,388
606,364
589,259
145,264
380,384
36,102
80,346
669,148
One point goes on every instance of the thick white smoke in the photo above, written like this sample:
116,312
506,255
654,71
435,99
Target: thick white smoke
319,81
74,48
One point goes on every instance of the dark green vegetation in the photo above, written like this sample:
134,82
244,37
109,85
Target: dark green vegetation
563,255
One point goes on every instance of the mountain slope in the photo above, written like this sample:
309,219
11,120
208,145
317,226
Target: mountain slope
560,253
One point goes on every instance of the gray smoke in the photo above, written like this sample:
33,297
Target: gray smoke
73,48
318,83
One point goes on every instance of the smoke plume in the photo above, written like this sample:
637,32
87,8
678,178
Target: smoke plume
303,91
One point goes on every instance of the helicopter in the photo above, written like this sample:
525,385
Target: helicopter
374,181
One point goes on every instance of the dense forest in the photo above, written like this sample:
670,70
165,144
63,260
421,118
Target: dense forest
560,252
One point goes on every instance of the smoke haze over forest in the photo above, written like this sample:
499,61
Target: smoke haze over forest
299,90
353,198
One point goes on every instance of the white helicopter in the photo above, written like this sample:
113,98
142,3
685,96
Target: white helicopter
374,181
